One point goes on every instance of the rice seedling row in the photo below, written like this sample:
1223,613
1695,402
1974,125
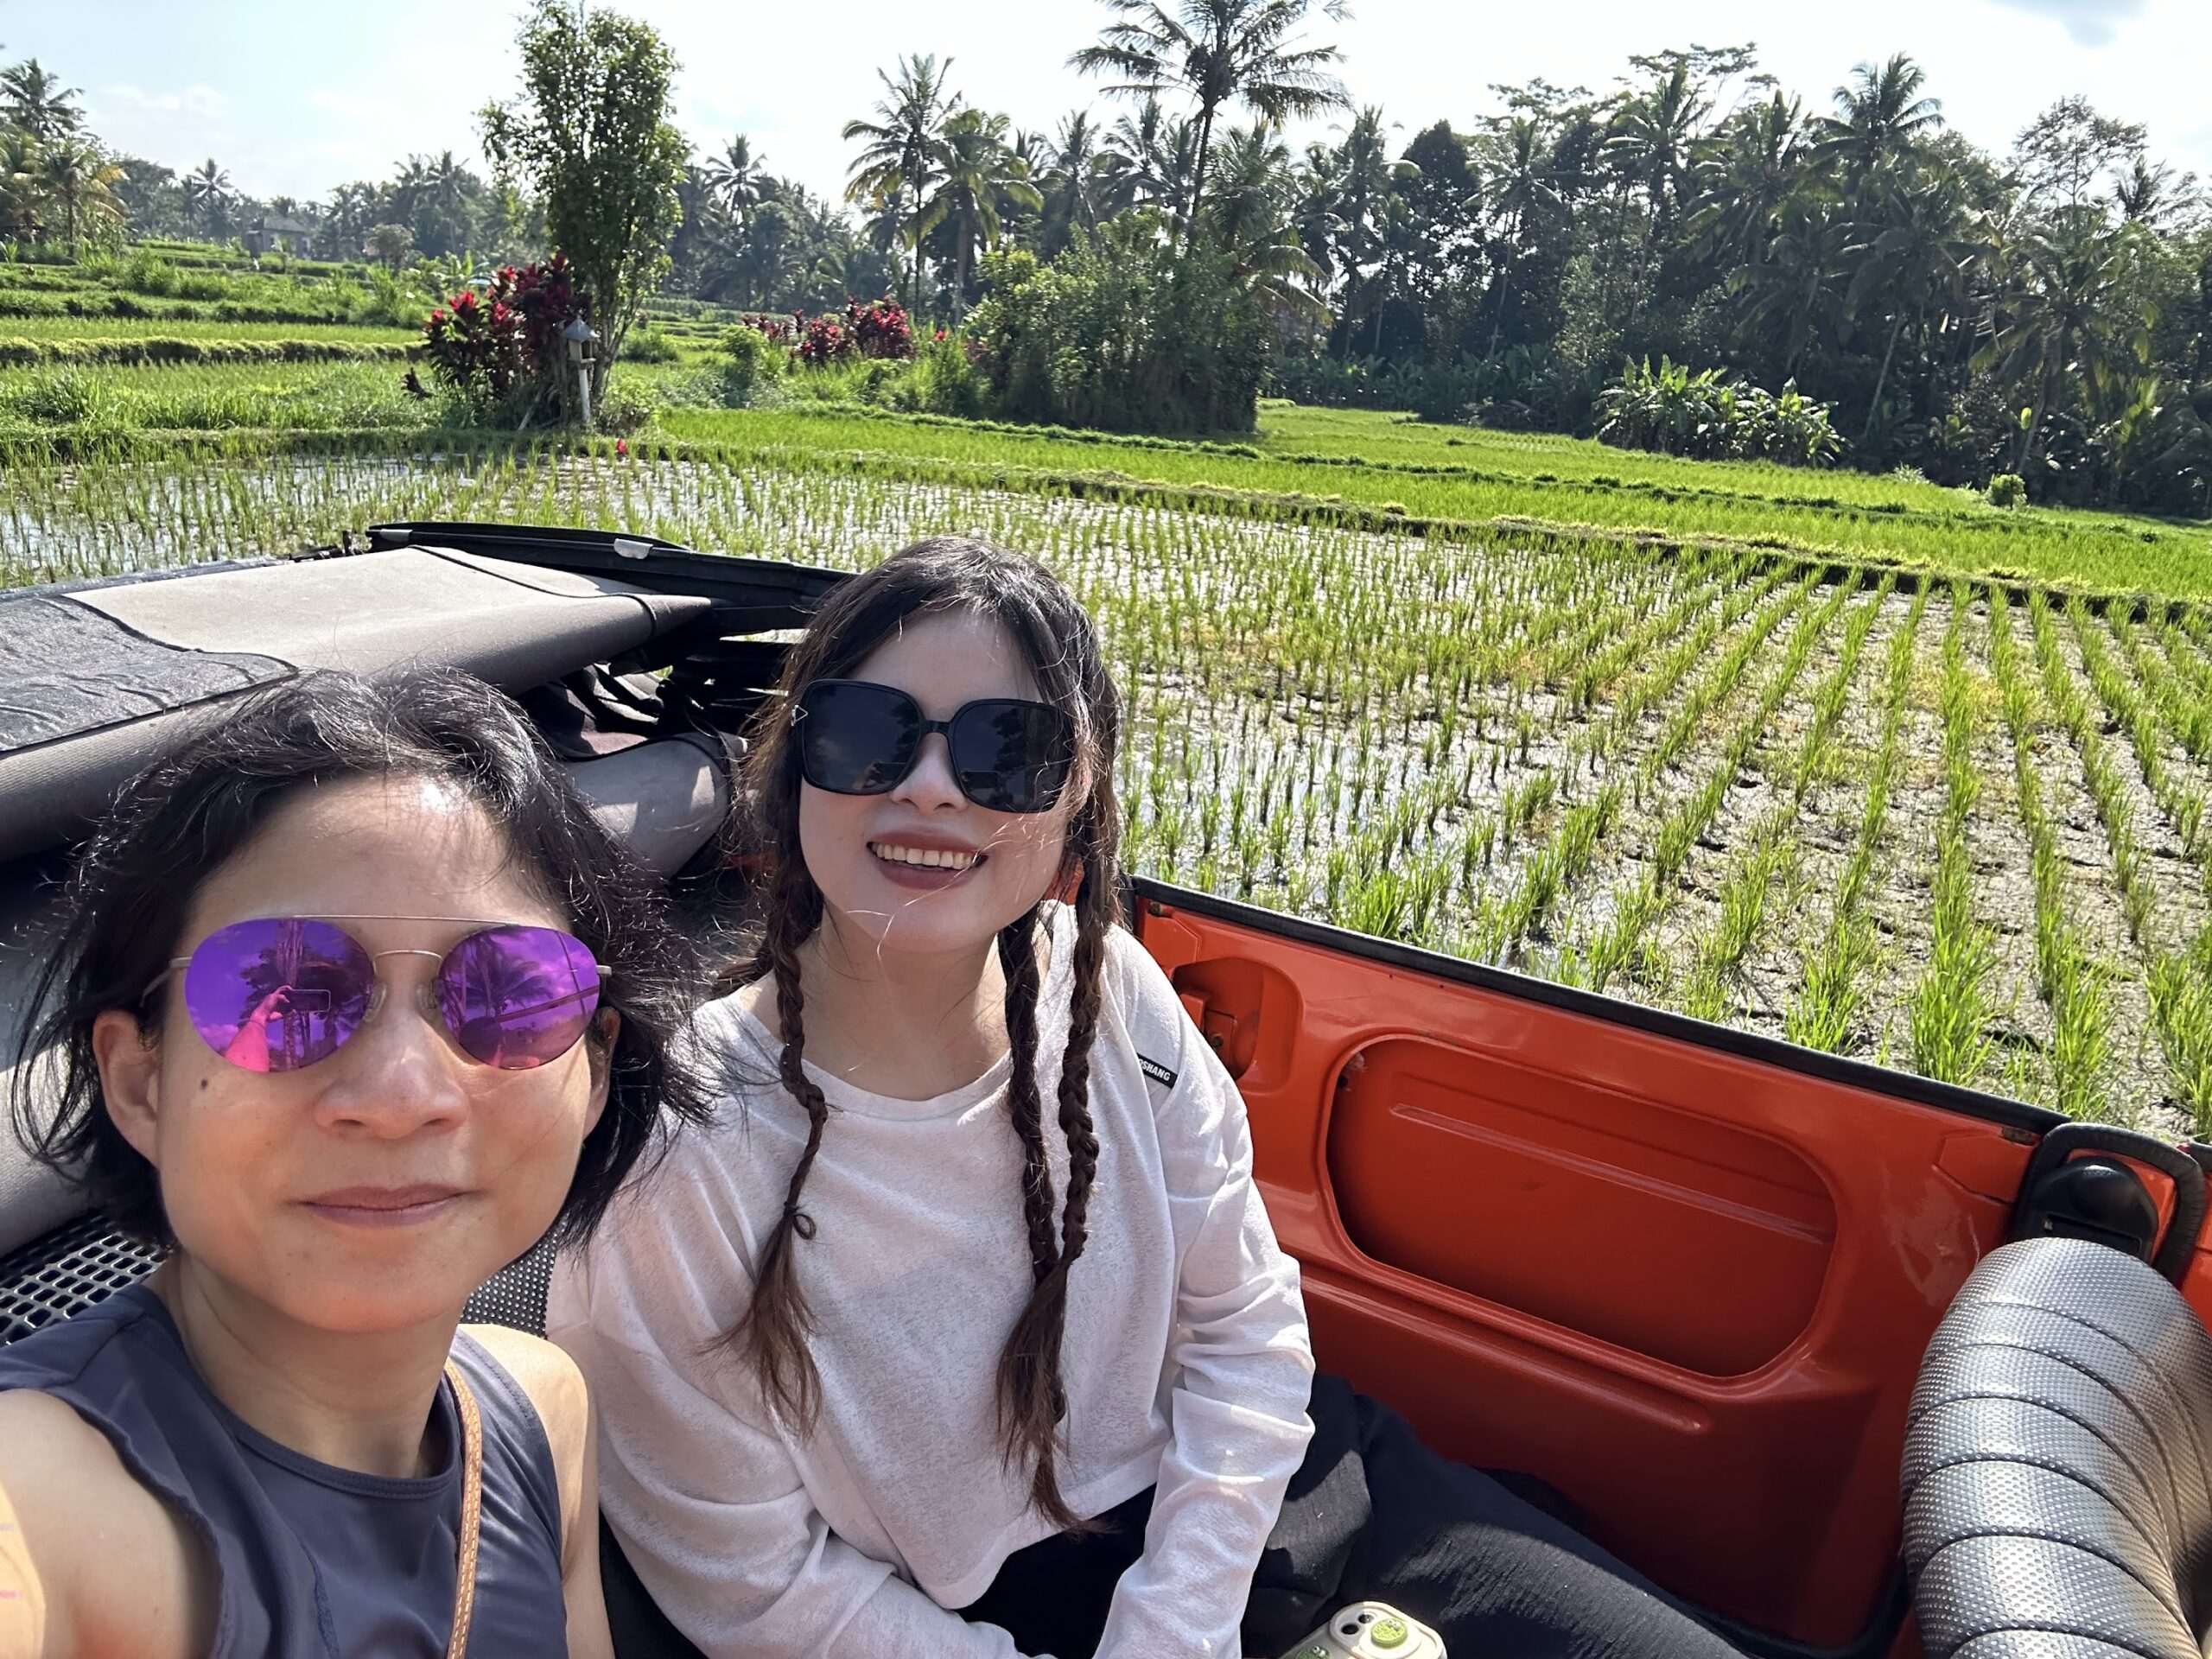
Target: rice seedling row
1832,1004
1764,869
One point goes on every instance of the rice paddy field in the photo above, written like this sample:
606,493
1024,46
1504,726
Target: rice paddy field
1908,806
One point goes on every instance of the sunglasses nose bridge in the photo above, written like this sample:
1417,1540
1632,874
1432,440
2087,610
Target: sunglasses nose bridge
932,764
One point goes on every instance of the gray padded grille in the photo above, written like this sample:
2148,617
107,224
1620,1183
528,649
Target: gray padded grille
69,1270
2058,1464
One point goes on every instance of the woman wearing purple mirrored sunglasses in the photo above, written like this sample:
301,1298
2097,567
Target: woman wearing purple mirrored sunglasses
355,1006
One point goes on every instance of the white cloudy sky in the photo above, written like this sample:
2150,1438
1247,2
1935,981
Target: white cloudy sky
295,95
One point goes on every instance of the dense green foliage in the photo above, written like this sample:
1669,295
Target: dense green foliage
1121,333
1712,418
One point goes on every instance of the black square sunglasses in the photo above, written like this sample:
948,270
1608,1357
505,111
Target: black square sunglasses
858,738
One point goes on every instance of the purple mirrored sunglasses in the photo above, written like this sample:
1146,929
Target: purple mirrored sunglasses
280,993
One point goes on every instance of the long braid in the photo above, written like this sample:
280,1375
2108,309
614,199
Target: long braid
1018,956
1032,1390
777,1322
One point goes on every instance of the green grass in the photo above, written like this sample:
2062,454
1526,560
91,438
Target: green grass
166,328
2099,553
1291,428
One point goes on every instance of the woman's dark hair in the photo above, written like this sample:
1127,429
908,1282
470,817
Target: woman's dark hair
942,575
190,813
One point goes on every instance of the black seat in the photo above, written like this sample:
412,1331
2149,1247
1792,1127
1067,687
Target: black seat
2058,1464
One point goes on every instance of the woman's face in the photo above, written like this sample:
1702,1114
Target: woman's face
860,849
377,1187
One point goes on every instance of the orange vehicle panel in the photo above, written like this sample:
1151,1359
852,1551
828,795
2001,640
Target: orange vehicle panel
1681,1280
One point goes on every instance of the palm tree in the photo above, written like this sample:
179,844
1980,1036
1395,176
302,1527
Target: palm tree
79,180
1519,182
1796,294
22,198
900,158
1879,116
352,210
1654,142
977,173
207,187
1914,254
2146,195
1758,162
1152,158
2063,321
1221,52
737,178
1249,223
38,103
1078,178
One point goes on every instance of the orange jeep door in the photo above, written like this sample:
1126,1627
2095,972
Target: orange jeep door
1683,1274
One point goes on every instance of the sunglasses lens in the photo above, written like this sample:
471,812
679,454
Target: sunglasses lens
856,739
276,995
515,997
1012,756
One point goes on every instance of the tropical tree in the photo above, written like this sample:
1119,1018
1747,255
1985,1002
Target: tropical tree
737,179
898,160
2059,331
389,244
79,180
207,187
1220,52
37,103
978,175
1246,219
1079,179
1654,140
353,210
1520,190
1758,160
22,198
1152,158
1880,116
1914,252
591,135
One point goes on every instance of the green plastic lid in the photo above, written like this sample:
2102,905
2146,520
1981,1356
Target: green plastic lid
1389,1633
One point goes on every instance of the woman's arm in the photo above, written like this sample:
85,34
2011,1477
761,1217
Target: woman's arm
556,1390
1241,1359
76,1526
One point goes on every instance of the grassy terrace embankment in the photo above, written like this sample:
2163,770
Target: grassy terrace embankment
1875,522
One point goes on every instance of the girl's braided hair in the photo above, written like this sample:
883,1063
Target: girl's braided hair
942,574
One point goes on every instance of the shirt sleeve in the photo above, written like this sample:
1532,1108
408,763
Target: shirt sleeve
1241,1360
694,1476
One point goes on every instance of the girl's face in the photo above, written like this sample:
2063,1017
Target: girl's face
862,849
377,1187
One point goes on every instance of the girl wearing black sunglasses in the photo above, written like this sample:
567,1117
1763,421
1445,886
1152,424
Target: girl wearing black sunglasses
963,1332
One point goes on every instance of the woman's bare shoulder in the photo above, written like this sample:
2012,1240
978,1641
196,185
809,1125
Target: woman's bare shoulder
84,1527
548,1375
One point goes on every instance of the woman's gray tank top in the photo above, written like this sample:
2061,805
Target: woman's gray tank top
317,1562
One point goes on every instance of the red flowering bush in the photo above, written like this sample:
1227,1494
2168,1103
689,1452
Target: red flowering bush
880,329
500,347
824,341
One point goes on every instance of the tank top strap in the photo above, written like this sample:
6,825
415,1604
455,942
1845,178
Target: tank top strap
517,1456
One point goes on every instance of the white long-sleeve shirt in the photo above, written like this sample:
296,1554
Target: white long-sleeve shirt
1186,1357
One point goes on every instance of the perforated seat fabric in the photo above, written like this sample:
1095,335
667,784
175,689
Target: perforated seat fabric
2058,1464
